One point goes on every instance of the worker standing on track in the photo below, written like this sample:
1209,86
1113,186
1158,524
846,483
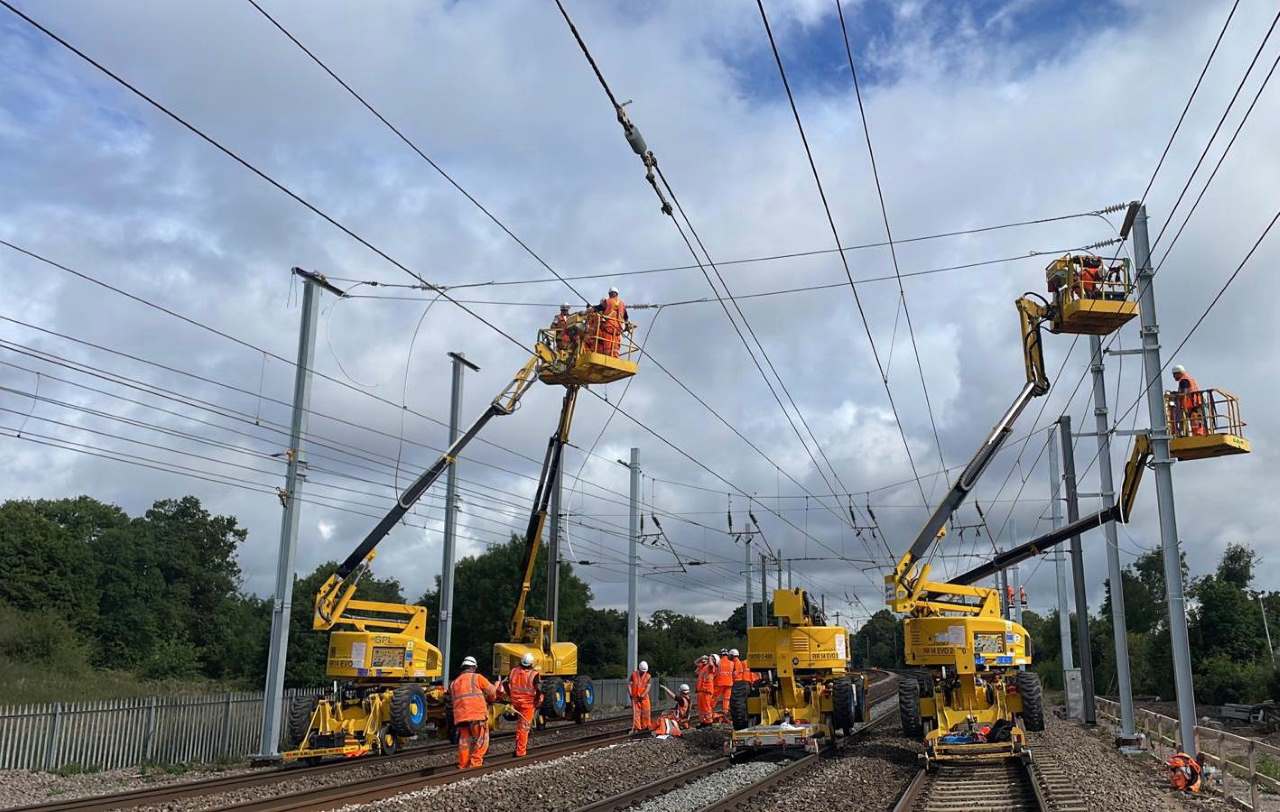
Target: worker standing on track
724,682
638,690
613,320
706,688
471,694
741,671
1189,418
523,688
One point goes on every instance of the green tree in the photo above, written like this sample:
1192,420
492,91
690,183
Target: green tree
48,561
879,642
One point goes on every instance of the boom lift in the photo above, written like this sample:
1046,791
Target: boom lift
969,700
806,693
386,675
565,692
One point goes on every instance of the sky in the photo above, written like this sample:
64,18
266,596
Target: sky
177,378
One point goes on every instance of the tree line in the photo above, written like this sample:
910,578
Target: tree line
88,588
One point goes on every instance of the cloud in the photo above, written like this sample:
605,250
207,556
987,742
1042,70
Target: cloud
976,120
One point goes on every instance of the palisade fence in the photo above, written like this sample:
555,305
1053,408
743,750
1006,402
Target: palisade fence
163,730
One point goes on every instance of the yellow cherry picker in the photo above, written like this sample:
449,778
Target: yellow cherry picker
386,675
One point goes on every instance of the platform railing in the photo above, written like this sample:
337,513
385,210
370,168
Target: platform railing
1243,767
1114,284
1218,412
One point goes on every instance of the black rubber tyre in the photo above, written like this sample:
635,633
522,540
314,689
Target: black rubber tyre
738,705
388,742
844,705
860,690
584,697
553,699
408,710
300,710
925,680
1028,683
909,708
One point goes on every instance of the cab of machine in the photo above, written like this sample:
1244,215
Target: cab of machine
551,659
377,656
1091,296
966,644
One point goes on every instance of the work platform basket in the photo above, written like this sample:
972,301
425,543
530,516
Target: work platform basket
590,348
1096,303
1210,426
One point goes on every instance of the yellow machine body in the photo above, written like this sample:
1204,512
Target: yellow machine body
807,693
1101,310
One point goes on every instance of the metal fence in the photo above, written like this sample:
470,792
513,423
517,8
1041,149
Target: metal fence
165,730
1242,763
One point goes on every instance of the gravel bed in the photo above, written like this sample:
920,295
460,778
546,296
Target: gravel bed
869,773
1110,780
563,783
369,768
23,787
712,788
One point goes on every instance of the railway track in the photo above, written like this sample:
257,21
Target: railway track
883,704
1012,785
219,784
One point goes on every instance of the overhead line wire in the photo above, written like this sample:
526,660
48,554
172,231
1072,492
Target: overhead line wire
844,260
893,251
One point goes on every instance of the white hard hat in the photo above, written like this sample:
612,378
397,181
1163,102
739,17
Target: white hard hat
684,688
724,651
733,652
643,666
1179,369
715,659
468,662
527,659
613,291
564,305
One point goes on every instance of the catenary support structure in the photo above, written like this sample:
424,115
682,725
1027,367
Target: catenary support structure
312,285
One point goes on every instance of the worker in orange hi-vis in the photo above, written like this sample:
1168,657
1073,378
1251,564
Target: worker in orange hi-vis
1184,773
638,691
705,686
1189,418
471,694
672,722
723,683
523,686
613,320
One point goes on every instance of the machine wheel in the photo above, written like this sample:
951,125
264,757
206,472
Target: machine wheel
553,698
738,705
844,705
909,708
1028,683
584,697
300,710
860,709
388,742
408,710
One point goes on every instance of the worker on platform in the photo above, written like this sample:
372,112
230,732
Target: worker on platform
1189,405
523,687
1184,773
638,692
1090,277
471,694
706,688
724,682
613,321
560,328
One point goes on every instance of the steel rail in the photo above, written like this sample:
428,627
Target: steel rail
219,784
